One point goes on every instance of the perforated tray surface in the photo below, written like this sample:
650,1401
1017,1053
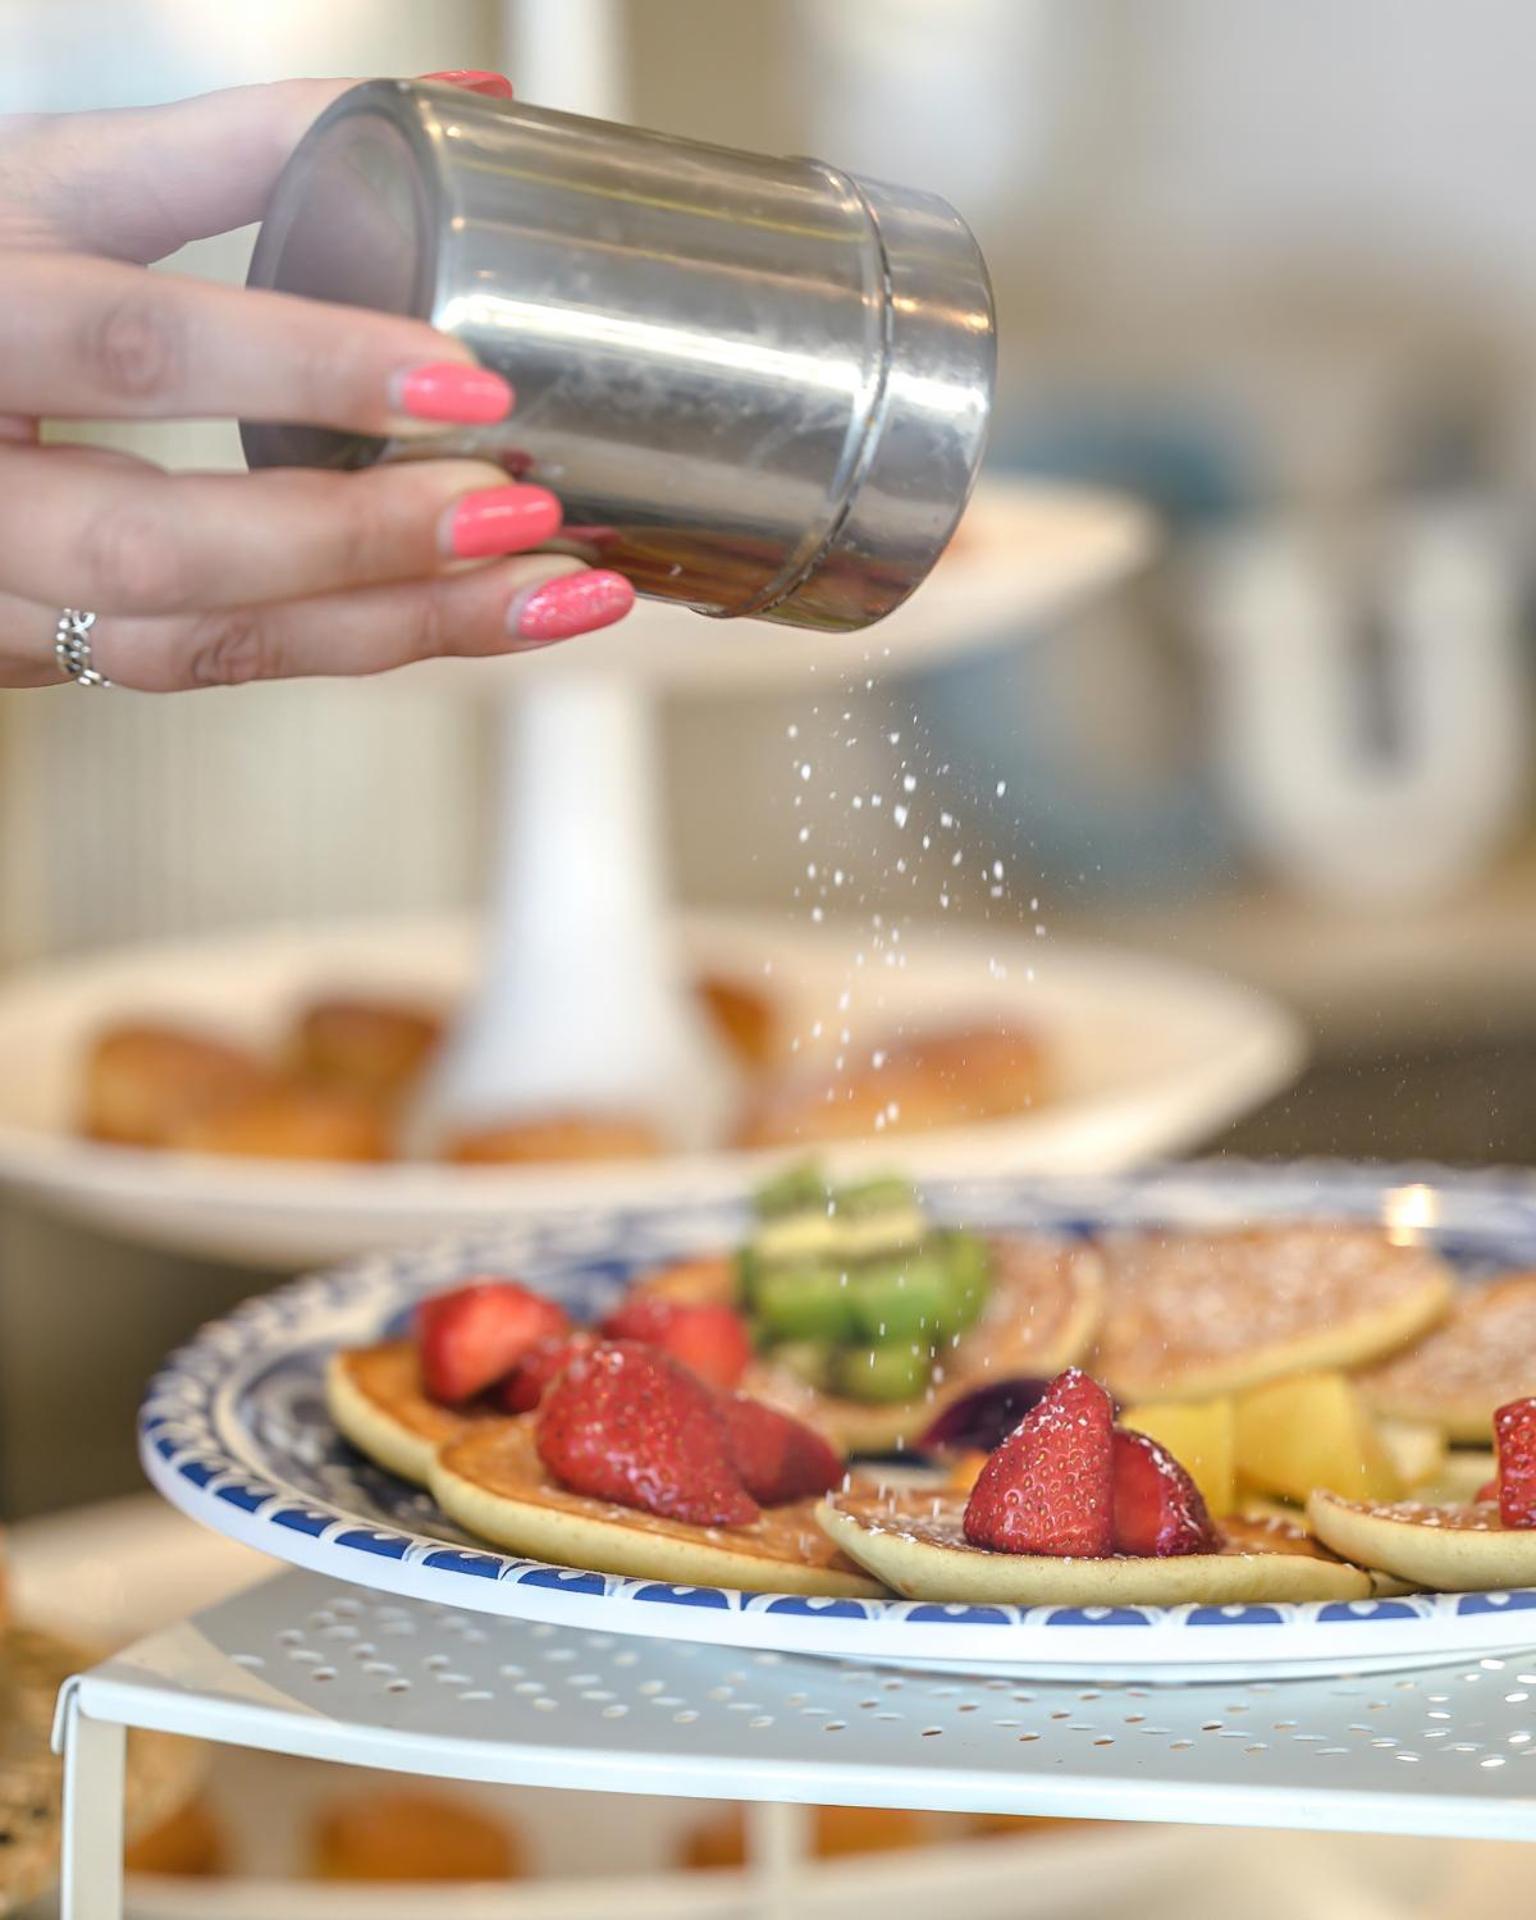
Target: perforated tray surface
306,1665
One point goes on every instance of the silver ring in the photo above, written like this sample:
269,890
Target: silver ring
72,648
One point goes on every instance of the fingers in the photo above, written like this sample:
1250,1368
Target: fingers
93,339
509,606
137,183
123,537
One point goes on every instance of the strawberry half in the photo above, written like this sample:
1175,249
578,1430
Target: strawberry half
473,1337
1514,1439
1158,1508
527,1383
1049,1487
712,1339
627,1423
778,1457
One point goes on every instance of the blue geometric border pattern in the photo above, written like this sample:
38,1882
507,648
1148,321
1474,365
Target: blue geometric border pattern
240,1412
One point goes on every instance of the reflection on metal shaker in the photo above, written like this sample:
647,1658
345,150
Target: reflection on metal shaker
761,387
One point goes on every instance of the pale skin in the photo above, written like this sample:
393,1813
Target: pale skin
209,579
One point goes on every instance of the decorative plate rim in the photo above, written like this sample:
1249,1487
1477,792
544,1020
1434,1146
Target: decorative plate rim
189,1421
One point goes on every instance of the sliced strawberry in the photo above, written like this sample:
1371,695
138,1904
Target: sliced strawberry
1158,1508
527,1383
473,1337
778,1457
1049,1487
1488,1491
628,1423
712,1339
1514,1439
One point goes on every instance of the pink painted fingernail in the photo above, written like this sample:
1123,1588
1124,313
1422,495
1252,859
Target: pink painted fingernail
576,603
454,391
495,86
499,520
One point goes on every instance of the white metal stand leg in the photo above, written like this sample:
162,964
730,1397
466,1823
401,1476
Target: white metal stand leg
92,1842
778,1845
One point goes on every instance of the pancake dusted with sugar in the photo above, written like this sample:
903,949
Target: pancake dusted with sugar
492,1482
1449,1549
1483,1355
915,1542
1189,1315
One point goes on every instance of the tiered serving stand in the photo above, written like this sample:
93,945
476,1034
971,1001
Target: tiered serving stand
438,1657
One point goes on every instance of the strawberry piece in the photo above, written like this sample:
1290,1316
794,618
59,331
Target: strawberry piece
528,1382
1049,1487
1487,1492
1514,1439
473,1337
779,1458
1159,1510
628,1423
710,1338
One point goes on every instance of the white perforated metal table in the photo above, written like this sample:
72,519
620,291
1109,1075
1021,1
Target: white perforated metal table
306,1666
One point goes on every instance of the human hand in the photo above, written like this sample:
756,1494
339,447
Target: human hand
208,579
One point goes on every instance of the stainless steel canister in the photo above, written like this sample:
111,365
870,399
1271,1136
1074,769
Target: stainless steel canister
759,386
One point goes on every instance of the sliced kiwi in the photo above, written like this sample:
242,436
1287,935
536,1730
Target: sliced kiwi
888,1193
803,1302
901,1298
800,1189
896,1370
968,1273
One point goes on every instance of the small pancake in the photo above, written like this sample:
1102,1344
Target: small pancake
1457,1376
375,1398
1189,1315
915,1542
1452,1549
1040,1316
493,1484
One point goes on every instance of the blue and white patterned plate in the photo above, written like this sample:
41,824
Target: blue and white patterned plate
235,1432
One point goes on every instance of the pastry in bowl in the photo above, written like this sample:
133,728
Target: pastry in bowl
292,1121
146,1082
1189,1315
376,1048
945,1078
555,1137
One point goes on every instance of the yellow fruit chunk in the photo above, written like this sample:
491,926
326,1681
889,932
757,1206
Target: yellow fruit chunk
1312,1431
1416,1450
1200,1434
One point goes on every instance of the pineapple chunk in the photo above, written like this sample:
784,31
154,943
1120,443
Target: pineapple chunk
1311,1432
1200,1435
1416,1450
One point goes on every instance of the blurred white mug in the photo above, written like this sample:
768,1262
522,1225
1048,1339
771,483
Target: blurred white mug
1372,726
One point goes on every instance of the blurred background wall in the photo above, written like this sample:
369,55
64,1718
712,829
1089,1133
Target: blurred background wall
1271,267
